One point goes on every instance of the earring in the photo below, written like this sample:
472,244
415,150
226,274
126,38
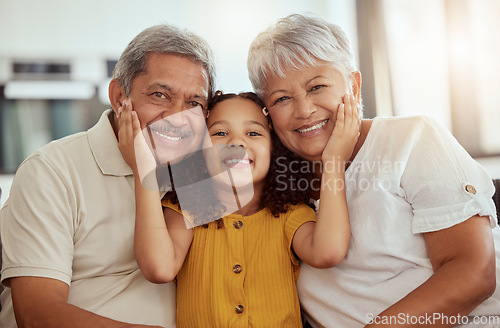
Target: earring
265,111
208,113
271,125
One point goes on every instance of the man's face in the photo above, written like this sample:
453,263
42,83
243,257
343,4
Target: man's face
169,98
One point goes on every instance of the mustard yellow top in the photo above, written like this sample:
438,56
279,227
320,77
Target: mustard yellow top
244,274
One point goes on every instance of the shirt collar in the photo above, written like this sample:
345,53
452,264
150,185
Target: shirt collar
104,147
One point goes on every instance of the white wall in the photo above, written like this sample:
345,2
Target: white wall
90,31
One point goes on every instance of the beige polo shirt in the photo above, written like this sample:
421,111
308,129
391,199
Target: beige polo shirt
70,217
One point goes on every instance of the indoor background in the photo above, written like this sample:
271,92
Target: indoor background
432,57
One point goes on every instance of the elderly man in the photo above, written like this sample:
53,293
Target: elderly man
67,228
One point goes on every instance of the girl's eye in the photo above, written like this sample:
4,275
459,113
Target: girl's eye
220,134
317,87
281,99
159,95
254,134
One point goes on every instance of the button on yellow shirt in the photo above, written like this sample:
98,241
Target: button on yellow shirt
244,274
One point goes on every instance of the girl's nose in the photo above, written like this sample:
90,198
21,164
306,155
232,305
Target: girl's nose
237,141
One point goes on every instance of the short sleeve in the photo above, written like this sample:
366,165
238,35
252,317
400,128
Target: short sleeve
297,216
441,181
37,224
168,204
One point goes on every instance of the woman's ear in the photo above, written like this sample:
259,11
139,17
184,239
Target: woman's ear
356,85
116,94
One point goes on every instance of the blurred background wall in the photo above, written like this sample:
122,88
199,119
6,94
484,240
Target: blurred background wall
432,57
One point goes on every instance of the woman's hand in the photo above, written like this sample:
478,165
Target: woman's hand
345,133
131,142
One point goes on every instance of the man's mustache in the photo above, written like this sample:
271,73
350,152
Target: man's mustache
165,127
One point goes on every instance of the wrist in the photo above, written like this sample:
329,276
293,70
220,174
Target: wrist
333,163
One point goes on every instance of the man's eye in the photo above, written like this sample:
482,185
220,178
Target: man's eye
195,104
159,95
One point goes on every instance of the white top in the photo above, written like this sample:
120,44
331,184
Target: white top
70,217
411,176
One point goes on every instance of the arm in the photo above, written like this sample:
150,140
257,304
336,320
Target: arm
42,302
463,259
161,238
324,243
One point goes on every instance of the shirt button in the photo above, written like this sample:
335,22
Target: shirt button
238,224
237,268
470,189
239,309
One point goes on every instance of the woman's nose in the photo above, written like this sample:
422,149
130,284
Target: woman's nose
304,107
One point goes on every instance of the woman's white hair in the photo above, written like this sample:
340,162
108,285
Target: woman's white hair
297,41
163,39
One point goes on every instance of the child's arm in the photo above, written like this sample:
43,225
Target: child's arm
161,238
324,244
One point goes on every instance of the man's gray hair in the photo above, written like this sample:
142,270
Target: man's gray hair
297,41
163,39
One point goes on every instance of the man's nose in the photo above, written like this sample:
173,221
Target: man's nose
177,119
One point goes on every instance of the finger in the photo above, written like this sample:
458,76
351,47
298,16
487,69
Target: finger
355,122
348,111
136,124
339,124
354,117
125,123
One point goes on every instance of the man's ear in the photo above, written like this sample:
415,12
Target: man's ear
116,94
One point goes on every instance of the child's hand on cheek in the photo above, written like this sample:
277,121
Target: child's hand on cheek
345,133
131,142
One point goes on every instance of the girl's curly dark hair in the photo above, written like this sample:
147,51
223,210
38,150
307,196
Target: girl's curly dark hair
283,184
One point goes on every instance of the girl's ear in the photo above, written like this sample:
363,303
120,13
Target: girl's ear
116,94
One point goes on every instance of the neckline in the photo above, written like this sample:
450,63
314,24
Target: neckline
241,216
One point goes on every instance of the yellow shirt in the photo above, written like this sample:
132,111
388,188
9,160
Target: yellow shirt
244,274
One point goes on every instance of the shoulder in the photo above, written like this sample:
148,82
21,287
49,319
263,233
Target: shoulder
413,123
301,211
406,132
59,153
58,150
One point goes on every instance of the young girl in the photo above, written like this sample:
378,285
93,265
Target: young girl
242,269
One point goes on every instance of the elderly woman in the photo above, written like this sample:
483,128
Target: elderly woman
422,251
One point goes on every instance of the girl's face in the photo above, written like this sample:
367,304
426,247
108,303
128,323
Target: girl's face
240,134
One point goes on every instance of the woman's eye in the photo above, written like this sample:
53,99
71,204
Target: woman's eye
254,134
159,95
281,99
317,87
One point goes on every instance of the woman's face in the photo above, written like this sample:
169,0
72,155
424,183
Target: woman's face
303,107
